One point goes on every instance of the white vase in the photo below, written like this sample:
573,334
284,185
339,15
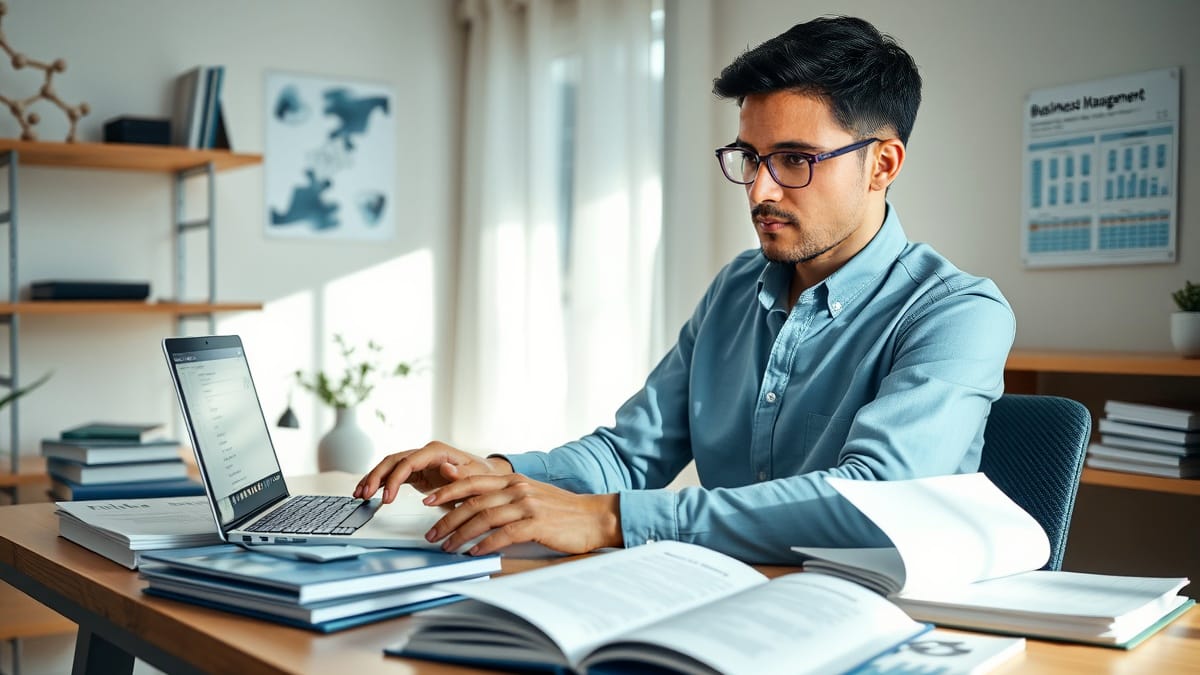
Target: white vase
1185,333
346,447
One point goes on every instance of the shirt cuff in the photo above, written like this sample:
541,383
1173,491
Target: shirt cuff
648,515
531,464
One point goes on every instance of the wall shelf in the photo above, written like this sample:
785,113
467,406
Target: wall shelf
124,156
46,307
1133,481
1102,363
180,163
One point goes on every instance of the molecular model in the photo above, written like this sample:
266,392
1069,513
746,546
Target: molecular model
20,107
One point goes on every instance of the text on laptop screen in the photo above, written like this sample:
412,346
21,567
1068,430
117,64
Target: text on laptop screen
228,428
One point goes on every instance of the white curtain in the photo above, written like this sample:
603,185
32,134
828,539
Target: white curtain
547,346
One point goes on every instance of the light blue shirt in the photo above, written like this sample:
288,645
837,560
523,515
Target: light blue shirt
886,370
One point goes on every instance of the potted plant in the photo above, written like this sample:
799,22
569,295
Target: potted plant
346,447
1185,324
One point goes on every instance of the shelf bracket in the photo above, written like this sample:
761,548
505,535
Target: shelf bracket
183,226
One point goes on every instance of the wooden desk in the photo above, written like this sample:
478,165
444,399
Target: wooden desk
117,622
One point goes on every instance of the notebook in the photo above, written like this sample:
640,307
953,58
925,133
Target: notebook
242,478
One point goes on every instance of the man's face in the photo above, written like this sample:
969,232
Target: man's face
825,221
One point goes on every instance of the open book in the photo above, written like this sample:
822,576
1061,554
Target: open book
965,555
665,605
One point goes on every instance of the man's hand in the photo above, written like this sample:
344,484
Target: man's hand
517,509
426,469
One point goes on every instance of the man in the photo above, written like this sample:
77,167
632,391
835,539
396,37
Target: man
837,349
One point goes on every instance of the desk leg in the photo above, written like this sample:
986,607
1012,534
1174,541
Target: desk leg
94,654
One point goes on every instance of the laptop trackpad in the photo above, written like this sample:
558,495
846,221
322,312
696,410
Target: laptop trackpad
363,513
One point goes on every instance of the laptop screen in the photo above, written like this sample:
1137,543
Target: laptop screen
226,425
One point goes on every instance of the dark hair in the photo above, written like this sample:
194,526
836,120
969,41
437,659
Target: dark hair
869,81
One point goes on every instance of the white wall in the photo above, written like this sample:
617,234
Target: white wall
122,58
960,189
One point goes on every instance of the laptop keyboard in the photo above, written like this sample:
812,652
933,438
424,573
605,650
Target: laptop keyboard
311,514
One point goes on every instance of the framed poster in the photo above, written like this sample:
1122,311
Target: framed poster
330,161
1101,172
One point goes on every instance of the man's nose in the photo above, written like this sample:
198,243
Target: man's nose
764,188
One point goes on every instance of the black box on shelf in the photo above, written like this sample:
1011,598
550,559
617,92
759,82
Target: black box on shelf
89,290
138,130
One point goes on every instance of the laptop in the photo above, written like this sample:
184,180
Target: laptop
242,478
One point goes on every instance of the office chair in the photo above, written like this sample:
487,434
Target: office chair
1033,450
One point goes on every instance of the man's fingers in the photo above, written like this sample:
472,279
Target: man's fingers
496,518
465,488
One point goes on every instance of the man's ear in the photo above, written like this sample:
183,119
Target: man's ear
889,157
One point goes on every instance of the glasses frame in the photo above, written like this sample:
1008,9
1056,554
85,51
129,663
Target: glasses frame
766,159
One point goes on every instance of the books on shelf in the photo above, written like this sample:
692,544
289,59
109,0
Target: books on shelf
1154,415
964,555
114,432
667,605
90,474
106,451
65,490
1150,433
1157,447
1147,439
122,530
943,652
370,585
199,120
1109,458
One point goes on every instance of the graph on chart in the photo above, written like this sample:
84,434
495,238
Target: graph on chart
1100,170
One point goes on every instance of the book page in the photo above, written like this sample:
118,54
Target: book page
581,604
797,623
950,530
1063,594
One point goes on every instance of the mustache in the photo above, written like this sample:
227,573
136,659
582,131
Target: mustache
770,211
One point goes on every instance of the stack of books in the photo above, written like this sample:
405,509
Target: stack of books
302,587
1148,439
102,460
122,530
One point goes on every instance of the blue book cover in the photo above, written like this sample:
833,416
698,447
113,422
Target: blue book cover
322,627
307,581
65,490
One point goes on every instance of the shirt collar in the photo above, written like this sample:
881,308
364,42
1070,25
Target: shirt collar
844,286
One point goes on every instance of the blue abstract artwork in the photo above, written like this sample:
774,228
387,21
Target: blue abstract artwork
330,159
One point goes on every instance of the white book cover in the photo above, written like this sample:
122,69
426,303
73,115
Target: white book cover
1151,446
1175,418
1100,451
1153,433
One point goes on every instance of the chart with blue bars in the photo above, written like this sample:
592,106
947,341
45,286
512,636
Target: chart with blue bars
1101,197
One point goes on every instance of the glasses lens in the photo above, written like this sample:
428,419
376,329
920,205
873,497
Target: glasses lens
739,166
791,169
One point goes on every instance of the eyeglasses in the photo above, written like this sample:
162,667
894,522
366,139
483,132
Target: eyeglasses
789,168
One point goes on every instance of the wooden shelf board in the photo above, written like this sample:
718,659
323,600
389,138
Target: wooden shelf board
123,307
1108,363
33,470
1133,481
124,156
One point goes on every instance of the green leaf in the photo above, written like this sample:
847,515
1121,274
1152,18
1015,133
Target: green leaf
18,393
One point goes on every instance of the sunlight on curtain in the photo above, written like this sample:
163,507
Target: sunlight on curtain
561,218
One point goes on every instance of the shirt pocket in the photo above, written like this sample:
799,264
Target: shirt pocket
824,437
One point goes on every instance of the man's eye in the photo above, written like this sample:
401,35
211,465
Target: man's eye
793,160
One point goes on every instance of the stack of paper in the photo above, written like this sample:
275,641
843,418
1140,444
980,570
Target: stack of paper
122,530
1148,439
268,582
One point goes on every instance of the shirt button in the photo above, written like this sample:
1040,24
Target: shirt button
771,397
837,307
762,475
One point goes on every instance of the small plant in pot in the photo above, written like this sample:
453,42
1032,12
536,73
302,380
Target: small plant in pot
1185,324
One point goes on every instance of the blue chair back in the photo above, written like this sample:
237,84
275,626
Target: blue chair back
1033,450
